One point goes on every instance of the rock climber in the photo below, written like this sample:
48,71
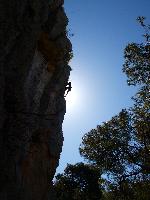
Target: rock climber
68,88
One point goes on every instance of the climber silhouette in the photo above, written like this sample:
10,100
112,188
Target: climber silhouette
68,88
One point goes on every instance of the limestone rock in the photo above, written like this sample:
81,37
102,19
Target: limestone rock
61,22
34,71
55,4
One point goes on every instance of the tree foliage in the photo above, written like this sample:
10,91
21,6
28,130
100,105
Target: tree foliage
78,182
107,146
120,148
137,59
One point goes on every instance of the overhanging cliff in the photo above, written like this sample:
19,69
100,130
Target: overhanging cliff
34,72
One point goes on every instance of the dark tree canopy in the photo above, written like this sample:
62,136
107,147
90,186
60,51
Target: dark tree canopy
78,182
137,59
107,146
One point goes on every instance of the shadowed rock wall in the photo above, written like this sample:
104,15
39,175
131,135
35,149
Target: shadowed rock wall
34,72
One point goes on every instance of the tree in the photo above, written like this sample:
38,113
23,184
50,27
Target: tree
137,68
112,148
137,59
107,146
78,182
120,148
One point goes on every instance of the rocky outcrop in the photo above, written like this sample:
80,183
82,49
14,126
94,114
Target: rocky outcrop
34,72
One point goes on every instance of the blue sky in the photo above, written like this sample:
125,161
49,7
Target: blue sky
102,29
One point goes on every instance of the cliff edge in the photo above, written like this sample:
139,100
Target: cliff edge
34,73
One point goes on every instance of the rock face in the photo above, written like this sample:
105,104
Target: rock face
34,72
